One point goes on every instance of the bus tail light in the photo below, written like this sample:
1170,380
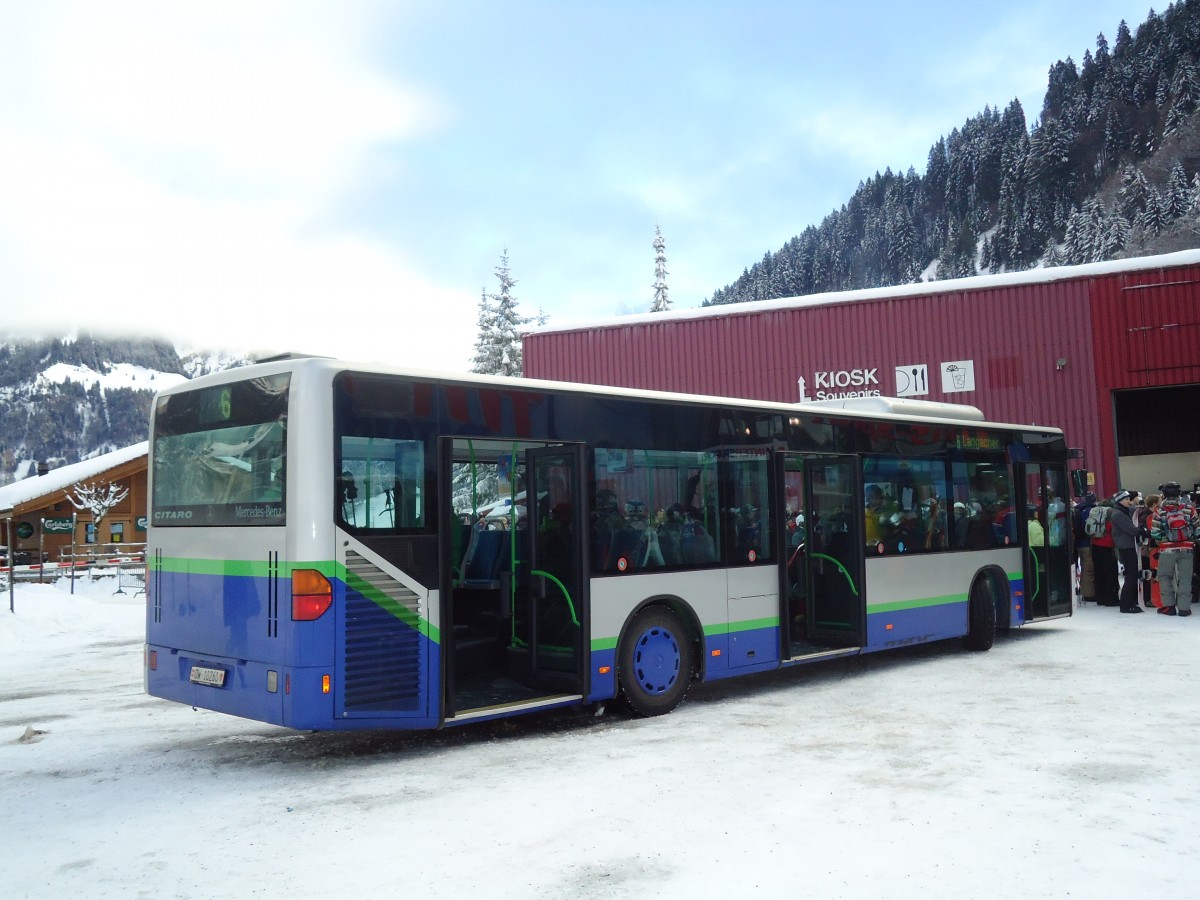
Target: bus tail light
312,595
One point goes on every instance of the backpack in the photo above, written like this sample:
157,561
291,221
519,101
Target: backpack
1096,522
1175,525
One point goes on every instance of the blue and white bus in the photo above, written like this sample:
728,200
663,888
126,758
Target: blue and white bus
344,546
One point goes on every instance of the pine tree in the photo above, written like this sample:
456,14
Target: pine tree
1134,193
498,344
1153,218
1114,234
484,361
1051,256
1175,198
661,302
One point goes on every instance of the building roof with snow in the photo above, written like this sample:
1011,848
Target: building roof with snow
38,486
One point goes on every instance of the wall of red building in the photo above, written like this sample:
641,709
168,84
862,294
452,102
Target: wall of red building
1044,353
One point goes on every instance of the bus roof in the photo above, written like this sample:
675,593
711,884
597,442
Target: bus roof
877,407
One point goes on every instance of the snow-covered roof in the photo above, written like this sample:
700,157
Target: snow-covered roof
63,477
921,289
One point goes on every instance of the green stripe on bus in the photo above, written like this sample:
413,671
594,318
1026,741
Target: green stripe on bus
253,568
238,568
921,602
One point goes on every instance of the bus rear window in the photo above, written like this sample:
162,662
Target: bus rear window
220,455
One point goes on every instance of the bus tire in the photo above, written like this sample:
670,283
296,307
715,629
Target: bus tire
981,615
655,662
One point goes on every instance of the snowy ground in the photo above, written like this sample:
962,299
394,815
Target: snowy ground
1060,764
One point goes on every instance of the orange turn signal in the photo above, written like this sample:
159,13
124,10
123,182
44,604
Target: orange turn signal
312,595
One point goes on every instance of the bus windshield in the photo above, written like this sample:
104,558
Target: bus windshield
220,455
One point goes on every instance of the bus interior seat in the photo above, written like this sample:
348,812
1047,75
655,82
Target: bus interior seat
486,556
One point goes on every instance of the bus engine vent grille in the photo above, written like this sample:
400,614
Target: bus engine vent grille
383,641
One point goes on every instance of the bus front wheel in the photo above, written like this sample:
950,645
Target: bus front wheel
655,662
981,615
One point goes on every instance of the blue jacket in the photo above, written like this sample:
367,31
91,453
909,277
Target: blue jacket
1080,516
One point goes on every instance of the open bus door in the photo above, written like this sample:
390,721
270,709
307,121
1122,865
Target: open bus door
515,605
824,607
1044,529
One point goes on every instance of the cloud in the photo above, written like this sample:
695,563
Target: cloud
172,174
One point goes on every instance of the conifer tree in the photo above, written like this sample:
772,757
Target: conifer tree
1051,256
498,344
1114,236
1153,218
1175,198
661,302
483,361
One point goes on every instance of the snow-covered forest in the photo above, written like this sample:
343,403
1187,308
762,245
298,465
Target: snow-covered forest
66,399
1109,167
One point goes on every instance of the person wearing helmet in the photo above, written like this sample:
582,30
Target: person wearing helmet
1175,526
1125,539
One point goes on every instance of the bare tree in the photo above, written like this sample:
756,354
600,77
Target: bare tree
98,499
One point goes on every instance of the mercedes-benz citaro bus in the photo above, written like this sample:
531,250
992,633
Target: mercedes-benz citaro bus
344,546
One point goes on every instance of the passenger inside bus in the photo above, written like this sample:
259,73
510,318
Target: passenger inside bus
880,520
748,531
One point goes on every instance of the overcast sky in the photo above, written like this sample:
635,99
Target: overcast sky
342,178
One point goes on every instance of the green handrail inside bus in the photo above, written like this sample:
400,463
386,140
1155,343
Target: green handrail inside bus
1037,581
520,642
562,587
841,567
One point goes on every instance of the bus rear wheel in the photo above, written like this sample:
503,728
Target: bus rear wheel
981,615
655,662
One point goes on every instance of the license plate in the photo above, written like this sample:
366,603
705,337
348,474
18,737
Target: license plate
201,675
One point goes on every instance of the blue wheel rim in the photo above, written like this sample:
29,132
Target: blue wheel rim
656,659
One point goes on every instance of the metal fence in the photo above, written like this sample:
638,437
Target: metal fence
126,561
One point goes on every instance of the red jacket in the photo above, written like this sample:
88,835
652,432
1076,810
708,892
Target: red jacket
1107,540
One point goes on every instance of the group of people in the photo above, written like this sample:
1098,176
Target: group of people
1128,532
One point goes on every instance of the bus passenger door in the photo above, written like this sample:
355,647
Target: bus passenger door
1044,530
550,629
824,607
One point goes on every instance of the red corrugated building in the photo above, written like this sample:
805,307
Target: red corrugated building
1109,352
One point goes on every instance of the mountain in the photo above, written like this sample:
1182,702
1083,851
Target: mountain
1110,169
64,400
